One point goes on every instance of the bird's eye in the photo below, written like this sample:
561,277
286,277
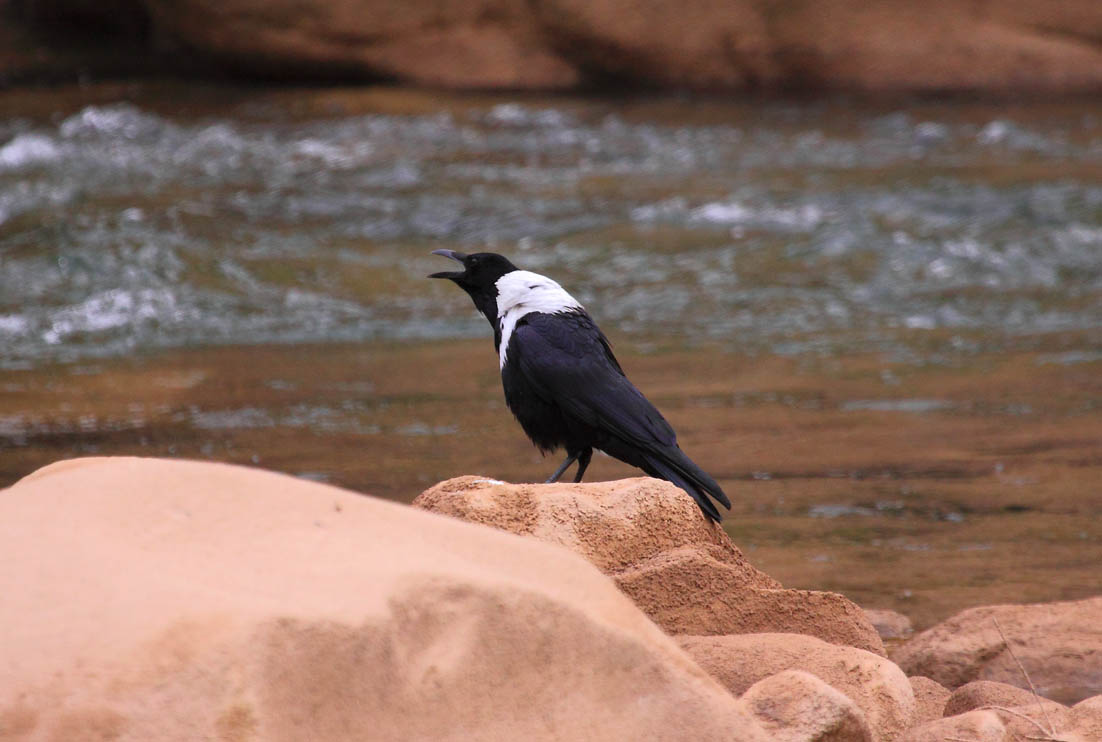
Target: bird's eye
474,261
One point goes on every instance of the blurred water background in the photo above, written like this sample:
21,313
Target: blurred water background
169,220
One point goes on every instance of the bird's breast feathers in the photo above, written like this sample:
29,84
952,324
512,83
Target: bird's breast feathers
523,292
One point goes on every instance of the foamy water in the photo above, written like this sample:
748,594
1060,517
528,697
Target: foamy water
777,228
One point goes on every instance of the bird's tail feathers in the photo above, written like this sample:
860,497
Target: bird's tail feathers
674,466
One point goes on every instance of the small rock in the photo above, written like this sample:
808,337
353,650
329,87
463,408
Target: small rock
930,698
975,726
980,693
796,706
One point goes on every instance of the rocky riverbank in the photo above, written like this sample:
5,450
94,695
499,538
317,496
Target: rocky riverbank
153,599
745,46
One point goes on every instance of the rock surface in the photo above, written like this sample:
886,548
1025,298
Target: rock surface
930,698
755,45
1060,645
796,706
975,726
980,693
679,568
148,599
876,685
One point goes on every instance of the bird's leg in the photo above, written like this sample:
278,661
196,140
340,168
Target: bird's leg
570,459
583,462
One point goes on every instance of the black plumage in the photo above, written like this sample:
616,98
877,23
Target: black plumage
563,383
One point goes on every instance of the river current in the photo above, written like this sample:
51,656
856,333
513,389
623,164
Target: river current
774,227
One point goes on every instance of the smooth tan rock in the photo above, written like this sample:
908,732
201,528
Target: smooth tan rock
980,693
796,706
889,624
974,726
930,698
168,600
679,568
1060,645
876,685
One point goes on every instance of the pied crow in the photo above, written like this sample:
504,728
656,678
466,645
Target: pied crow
563,383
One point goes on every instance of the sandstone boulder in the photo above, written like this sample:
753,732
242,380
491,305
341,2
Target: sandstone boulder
796,706
876,685
170,600
930,698
681,569
1060,645
1085,718
974,726
981,693
1081,723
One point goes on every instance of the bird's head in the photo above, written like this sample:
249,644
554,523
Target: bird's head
478,278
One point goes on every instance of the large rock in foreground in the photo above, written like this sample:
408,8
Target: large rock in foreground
680,568
167,600
1060,645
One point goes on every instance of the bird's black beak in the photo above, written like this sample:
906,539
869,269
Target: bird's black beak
456,256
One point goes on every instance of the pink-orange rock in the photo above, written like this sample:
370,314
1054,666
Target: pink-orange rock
875,684
974,726
1084,718
980,693
679,568
1060,645
930,698
168,600
615,525
796,706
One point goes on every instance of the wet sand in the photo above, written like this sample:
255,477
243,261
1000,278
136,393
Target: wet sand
926,488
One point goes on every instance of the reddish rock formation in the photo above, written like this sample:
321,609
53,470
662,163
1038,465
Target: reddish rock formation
1060,645
147,599
680,568
876,685
717,45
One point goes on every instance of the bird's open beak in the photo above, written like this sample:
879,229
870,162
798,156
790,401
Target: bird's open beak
456,256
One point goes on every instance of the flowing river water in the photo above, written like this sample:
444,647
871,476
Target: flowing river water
880,326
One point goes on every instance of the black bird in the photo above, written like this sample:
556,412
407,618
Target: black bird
563,383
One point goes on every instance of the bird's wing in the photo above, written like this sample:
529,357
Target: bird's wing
569,362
